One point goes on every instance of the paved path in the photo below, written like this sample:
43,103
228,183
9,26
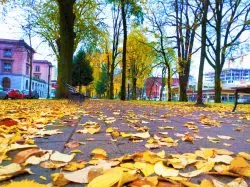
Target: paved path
156,115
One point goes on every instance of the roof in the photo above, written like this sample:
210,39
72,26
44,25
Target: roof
42,62
16,42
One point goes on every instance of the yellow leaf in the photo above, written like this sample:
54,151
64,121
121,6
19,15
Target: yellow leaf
127,165
43,178
73,166
206,183
239,162
76,151
58,179
108,179
24,183
244,155
146,168
205,153
143,135
99,153
127,177
191,174
204,166
162,170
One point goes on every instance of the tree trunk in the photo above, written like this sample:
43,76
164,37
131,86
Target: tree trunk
134,83
163,82
183,87
66,42
108,73
169,84
124,51
203,51
217,86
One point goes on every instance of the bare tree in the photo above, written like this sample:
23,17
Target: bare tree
230,20
116,18
205,4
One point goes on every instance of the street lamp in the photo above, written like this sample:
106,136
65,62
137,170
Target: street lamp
48,94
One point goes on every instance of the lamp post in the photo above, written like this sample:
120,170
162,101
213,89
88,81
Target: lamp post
48,94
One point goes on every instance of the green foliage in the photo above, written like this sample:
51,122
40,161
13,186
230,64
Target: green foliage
82,71
102,84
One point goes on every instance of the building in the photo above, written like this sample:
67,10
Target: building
230,76
153,88
15,65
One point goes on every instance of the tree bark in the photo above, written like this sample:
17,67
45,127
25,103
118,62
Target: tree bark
203,51
124,51
217,86
67,36
163,82
169,84
134,83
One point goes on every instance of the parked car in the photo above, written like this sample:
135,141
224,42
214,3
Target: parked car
34,94
15,94
3,95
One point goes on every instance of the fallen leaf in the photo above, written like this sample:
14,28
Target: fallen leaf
206,183
244,155
57,156
24,183
72,145
81,176
108,179
191,174
146,168
58,179
99,153
43,178
222,158
225,137
73,166
34,160
162,170
22,156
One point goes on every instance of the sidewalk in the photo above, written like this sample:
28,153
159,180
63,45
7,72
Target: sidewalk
153,117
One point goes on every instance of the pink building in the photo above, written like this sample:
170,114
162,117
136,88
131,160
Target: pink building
15,67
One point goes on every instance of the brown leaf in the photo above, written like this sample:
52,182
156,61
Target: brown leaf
22,156
8,122
72,145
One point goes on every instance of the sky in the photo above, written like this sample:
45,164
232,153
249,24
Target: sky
10,28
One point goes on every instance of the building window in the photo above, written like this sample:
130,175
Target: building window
37,76
7,67
6,83
7,53
27,69
26,84
37,69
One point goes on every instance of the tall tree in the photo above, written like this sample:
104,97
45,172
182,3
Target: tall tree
116,26
204,12
230,20
139,59
101,84
184,17
66,44
47,21
186,25
128,8
124,50
82,71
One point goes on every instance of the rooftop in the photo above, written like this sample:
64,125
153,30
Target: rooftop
16,42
